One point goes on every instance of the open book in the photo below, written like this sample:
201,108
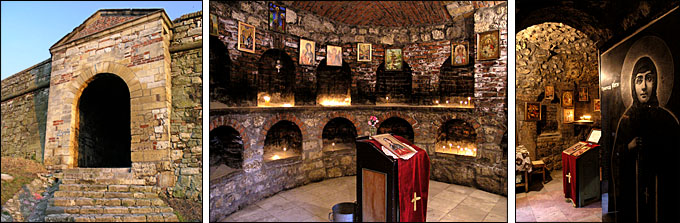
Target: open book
393,147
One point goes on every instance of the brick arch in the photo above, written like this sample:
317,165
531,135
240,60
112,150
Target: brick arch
280,117
471,121
408,118
344,115
223,121
78,84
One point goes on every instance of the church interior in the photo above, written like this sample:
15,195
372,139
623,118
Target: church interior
586,126
295,86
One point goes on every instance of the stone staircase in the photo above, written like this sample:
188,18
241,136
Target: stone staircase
106,194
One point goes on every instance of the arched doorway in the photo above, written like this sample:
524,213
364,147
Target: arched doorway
103,129
283,141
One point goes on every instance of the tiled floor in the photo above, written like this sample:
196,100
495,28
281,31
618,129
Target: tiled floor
313,202
546,203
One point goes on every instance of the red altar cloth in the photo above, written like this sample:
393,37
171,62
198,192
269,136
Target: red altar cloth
414,176
569,157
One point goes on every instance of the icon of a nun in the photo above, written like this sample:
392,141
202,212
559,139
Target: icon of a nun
647,136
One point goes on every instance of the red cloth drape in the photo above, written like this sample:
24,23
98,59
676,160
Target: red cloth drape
569,168
414,176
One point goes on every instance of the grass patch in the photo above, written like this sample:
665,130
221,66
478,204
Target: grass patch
23,171
186,210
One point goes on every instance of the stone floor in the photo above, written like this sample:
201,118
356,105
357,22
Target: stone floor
313,202
546,203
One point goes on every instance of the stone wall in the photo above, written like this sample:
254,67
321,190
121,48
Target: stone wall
24,110
187,110
554,54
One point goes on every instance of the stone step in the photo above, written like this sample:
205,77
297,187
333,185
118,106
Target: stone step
105,188
127,180
97,170
98,209
84,201
151,217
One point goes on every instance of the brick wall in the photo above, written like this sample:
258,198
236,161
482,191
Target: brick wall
24,110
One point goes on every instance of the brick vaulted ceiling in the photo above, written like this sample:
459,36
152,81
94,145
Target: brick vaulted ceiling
378,13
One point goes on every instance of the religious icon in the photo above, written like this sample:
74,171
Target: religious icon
334,57
277,18
568,115
596,105
567,98
393,60
488,45
549,92
583,94
459,53
532,111
214,25
246,37
306,52
364,52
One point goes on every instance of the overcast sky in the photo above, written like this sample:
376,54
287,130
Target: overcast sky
29,29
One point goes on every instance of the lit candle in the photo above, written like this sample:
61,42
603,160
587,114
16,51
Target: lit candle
275,157
387,98
332,144
266,99
284,149
436,101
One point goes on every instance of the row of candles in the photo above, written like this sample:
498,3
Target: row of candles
458,149
347,102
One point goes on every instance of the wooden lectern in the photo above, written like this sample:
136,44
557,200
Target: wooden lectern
580,171
390,189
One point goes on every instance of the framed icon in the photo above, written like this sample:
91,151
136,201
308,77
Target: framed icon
364,52
307,52
596,105
568,115
549,92
567,98
459,54
532,111
393,60
488,45
583,94
246,37
334,56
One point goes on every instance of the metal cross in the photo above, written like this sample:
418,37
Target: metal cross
646,196
415,198
569,177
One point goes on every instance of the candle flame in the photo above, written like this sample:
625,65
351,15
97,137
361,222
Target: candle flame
266,99
275,157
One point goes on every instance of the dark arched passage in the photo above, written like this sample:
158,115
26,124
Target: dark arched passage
104,123
397,126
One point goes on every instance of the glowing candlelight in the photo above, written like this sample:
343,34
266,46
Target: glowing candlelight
332,144
436,101
266,99
387,98
461,102
275,157
287,105
284,149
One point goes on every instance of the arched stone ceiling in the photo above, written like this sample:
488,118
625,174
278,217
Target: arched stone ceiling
389,13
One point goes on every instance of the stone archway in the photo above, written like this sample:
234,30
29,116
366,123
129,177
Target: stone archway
103,130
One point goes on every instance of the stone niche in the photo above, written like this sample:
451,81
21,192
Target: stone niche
333,84
397,126
226,152
393,87
339,147
457,137
283,142
275,79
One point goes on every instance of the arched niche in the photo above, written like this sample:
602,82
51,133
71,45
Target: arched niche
333,84
457,137
103,129
393,87
226,151
283,142
275,79
397,126
339,134
220,72
456,85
